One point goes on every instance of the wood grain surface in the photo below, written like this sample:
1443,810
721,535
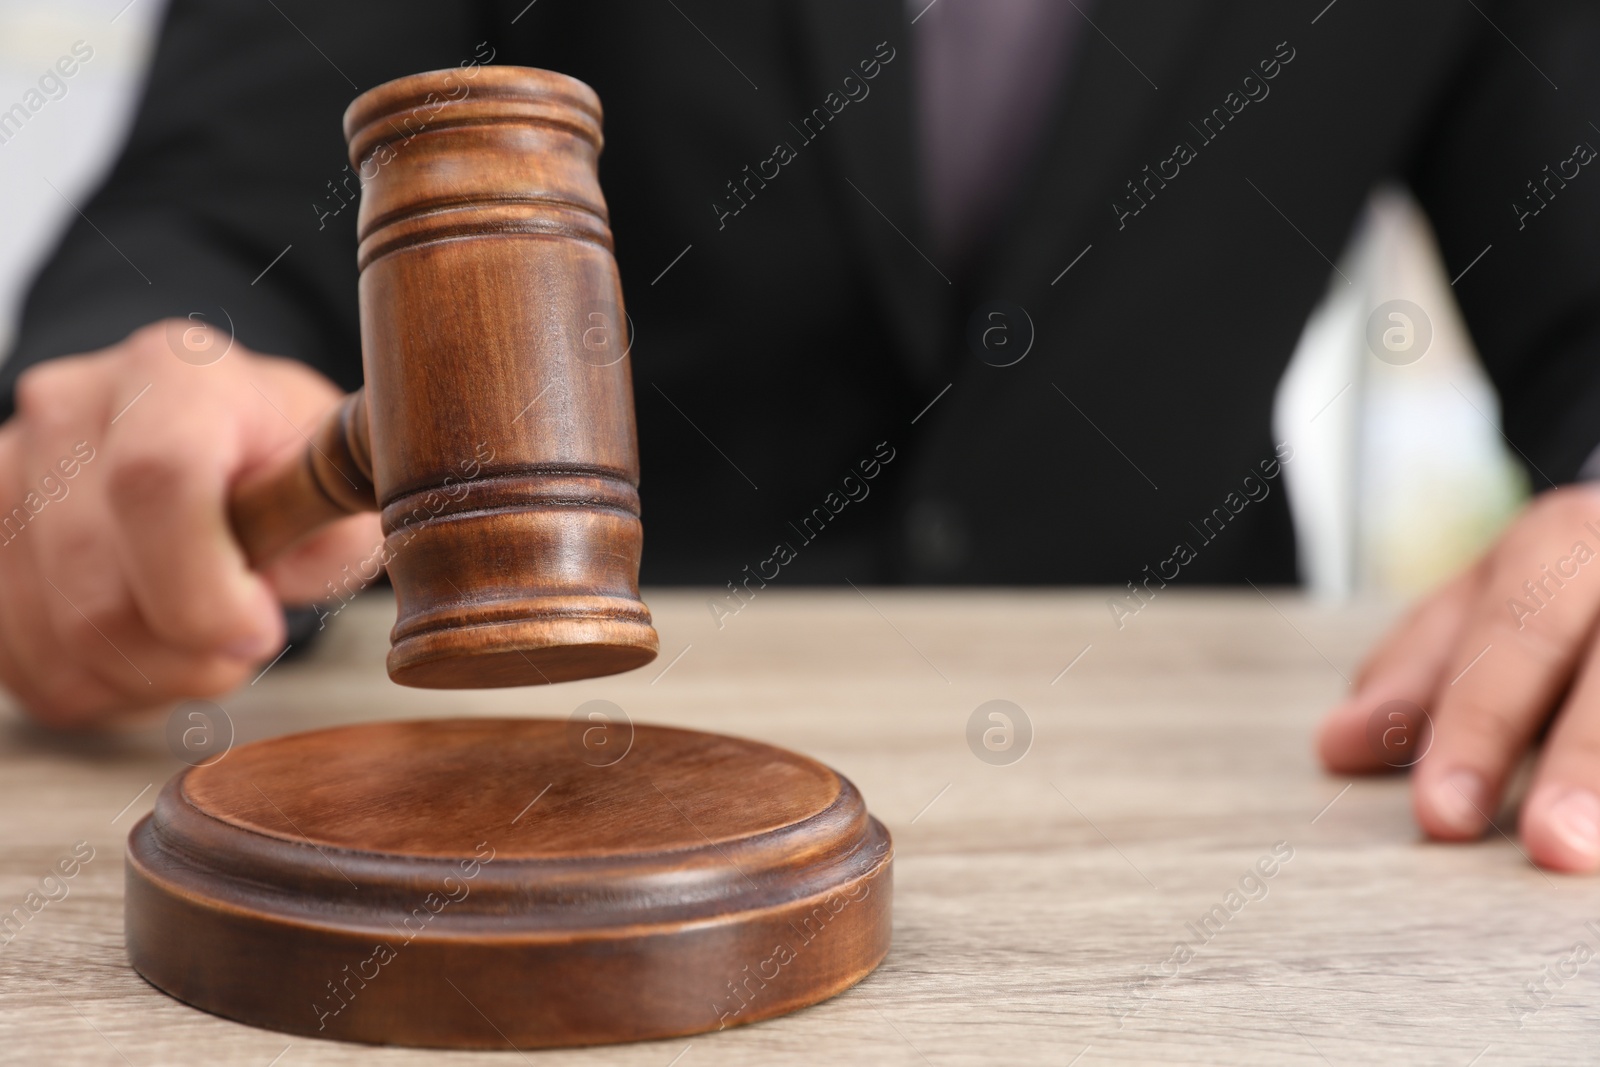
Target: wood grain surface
579,881
1037,904
488,286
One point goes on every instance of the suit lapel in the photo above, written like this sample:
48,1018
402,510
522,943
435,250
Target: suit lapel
870,151
1109,115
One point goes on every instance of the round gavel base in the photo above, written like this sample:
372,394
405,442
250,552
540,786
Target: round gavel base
498,883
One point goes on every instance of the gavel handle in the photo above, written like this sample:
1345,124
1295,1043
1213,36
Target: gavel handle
329,478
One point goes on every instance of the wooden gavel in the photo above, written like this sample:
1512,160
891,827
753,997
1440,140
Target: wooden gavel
496,430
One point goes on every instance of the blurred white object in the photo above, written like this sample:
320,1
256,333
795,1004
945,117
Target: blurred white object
69,129
1400,476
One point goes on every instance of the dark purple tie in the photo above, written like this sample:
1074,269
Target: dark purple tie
987,74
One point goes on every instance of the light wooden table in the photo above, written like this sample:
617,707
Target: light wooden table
1037,904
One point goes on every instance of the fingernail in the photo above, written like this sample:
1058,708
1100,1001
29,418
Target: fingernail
264,643
1575,818
1461,801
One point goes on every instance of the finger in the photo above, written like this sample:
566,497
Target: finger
96,672
61,405
137,668
33,664
1561,818
169,484
1405,667
48,682
72,549
1524,638
168,473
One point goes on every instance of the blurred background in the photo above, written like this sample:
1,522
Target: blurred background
1400,473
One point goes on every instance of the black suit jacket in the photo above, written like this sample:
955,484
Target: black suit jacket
1205,161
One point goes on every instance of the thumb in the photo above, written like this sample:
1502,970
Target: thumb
338,560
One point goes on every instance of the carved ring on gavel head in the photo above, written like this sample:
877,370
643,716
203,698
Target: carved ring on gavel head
496,429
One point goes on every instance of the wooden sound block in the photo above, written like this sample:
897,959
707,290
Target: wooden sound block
489,883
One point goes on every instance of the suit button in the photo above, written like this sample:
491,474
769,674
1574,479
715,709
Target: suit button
936,536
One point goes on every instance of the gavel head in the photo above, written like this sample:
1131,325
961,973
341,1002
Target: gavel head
499,407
